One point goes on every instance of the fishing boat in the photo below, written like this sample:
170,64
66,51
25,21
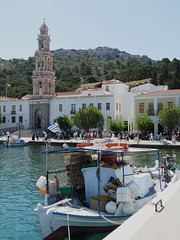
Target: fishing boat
14,142
99,196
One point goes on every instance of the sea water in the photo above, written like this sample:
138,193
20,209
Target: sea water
20,168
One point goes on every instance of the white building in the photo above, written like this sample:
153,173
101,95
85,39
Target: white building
37,111
152,102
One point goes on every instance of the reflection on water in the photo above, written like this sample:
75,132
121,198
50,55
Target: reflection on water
20,169
148,160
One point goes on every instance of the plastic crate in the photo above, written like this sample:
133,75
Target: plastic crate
92,164
67,190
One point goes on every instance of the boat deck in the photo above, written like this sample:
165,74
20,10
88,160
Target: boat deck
148,224
81,211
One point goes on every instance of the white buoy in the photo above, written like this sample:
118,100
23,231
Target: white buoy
128,208
119,210
111,207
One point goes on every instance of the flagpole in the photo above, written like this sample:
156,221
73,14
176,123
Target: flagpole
7,85
6,90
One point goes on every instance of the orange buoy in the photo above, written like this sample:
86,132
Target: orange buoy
43,191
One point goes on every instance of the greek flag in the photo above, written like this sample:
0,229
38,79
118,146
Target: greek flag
54,128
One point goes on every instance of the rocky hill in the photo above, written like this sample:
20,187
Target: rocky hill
99,53
74,67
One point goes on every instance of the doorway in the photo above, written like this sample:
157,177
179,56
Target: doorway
38,118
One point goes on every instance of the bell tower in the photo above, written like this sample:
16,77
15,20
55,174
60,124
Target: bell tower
43,82
43,75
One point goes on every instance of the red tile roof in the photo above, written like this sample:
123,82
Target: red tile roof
67,93
174,91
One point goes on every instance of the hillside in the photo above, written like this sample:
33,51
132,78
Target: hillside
73,67
100,53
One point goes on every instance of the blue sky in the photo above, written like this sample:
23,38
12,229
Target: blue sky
136,26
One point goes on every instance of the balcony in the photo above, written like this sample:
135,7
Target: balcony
73,111
13,112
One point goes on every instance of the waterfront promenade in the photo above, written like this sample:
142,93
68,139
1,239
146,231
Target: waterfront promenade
73,142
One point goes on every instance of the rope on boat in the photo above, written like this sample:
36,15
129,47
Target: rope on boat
69,236
108,220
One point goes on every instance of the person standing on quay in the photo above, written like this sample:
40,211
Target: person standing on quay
33,136
37,135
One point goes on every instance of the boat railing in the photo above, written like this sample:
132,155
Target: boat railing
174,167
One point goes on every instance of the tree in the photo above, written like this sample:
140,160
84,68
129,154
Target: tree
144,123
115,126
88,118
169,117
65,123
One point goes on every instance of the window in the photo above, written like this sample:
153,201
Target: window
73,108
60,107
20,119
151,109
119,107
4,120
170,104
160,107
107,88
116,117
91,104
13,109
4,108
141,108
99,106
20,108
84,105
13,119
107,106
116,106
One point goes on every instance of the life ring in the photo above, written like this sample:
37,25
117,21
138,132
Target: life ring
84,144
117,146
110,144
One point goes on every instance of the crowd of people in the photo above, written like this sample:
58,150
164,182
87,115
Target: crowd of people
89,135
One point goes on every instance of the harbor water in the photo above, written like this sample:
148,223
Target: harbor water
20,169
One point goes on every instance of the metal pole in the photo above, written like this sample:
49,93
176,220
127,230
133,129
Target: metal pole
6,90
19,130
47,190
122,154
98,172
159,170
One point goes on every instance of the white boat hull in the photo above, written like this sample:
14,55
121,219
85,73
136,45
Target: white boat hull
55,220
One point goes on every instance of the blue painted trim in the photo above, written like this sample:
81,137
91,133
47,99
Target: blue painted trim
109,216
95,150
